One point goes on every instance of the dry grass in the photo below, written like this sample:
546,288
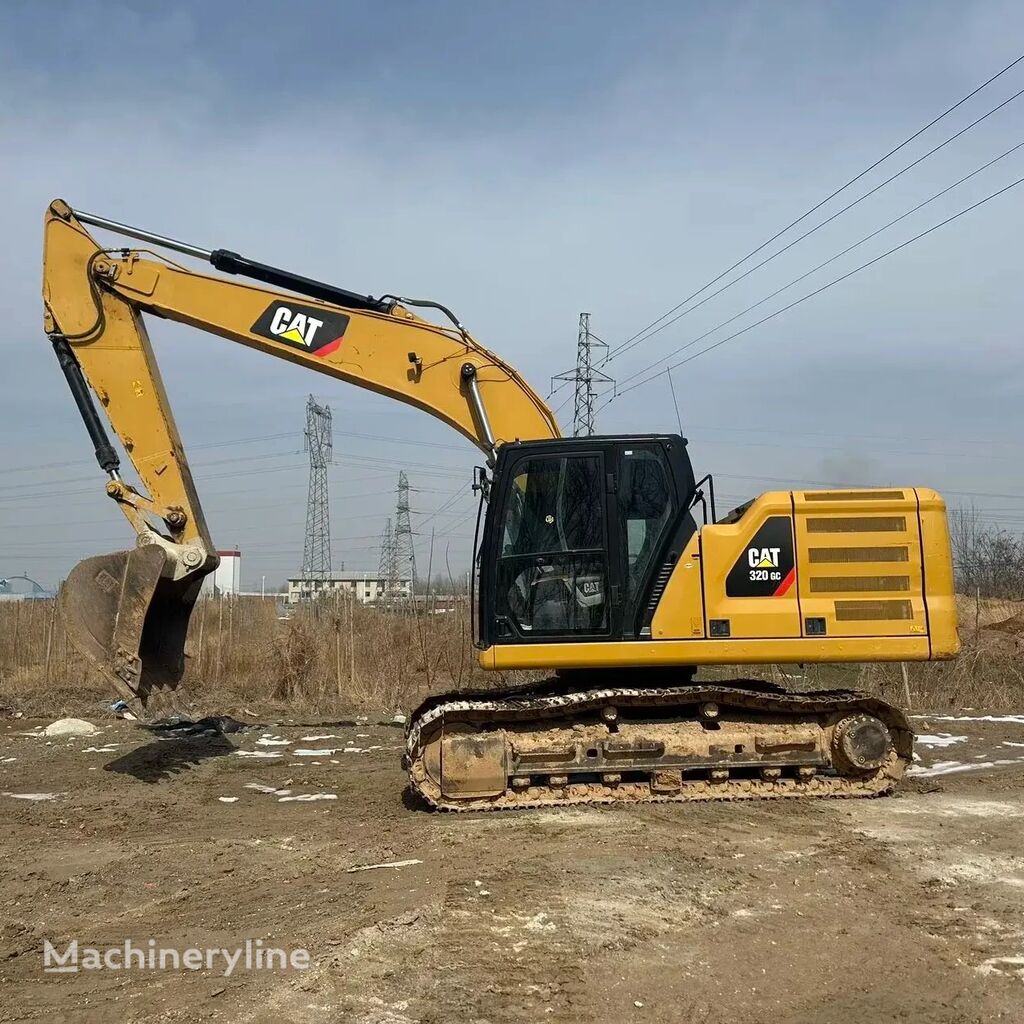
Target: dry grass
323,659
333,657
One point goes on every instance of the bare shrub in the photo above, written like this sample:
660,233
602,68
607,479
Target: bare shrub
297,675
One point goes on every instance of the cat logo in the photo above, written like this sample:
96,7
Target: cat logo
763,558
766,567
316,330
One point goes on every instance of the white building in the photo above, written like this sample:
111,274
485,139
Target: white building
225,580
366,587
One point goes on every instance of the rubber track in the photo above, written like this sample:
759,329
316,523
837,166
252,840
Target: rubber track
541,702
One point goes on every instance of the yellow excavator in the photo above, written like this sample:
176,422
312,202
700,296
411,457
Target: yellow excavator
590,562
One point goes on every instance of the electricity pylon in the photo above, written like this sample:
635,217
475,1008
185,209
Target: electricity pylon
316,551
588,380
387,567
405,554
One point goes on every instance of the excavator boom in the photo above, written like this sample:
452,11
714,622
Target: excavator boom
129,611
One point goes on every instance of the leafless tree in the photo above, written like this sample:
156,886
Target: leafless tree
987,559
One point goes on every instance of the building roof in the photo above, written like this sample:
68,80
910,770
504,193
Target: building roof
353,576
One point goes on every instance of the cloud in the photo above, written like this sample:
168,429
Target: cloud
610,167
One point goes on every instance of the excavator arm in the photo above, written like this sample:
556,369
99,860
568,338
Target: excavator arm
129,611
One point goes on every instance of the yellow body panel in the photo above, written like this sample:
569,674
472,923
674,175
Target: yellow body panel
860,556
659,654
938,568
872,568
681,611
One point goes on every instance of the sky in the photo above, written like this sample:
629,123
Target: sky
522,164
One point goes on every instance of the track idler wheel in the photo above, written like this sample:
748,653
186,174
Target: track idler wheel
861,743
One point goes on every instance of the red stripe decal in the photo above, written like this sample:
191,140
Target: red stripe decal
786,583
331,346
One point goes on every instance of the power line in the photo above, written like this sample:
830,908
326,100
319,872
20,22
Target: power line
789,446
27,468
198,465
821,266
834,483
362,462
824,287
819,205
37,466
817,227
443,509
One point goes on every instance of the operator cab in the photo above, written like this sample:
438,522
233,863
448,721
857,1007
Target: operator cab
580,537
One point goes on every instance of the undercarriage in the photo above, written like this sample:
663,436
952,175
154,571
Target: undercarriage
554,744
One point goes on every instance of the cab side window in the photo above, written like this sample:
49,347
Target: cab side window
646,507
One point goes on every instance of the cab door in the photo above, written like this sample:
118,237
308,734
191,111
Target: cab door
551,571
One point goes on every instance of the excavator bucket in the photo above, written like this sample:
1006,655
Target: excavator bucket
128,619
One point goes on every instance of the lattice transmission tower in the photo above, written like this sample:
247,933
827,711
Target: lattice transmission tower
405,554
589,381
316,551
387,567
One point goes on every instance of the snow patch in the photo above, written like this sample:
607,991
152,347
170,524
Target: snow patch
260,788
1015,719
953,767
940,739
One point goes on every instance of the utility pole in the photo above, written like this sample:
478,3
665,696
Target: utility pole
405,555
316,552
588,380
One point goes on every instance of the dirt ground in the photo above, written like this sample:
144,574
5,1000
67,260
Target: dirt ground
904,908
